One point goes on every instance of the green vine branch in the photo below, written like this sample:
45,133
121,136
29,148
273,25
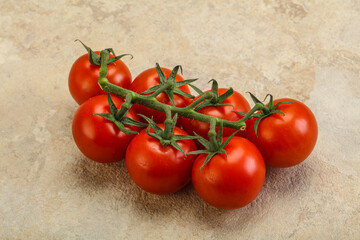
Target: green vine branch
151,102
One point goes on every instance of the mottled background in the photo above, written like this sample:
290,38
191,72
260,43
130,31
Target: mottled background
308,50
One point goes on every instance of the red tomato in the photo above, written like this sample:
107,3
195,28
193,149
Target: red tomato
224,112
150,78
231,181
83,78
158,169
97,138
285,141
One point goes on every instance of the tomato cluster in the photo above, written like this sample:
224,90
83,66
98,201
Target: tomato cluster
165,156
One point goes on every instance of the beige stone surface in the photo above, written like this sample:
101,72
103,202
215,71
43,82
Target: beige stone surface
308,50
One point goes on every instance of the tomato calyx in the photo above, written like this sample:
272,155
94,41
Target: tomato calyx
261,111
168,85
215,100
215,145
117,116
166,136
95,59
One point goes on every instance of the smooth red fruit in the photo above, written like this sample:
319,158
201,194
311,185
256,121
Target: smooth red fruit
97,138
231,181
285,140
83,78
158,169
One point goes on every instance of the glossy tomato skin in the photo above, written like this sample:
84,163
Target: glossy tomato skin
285,141
231,181
157,169
97,138
83,78
225,112
150,78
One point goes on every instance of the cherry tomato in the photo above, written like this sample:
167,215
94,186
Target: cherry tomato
158,169
97,138
83,78
224,112
285,141
150,78
231,181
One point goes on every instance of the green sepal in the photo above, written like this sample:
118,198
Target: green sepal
182,93
271,101
120,121
174,72
256,124
110,50
170,94
208,158
214,87
225,95
185,82
93,57
160,73
202,141
151,90
277,105
240,113
216,101
112,60
266,110
184,137
112,106
198,90
278,111
130,121
198,152
161,136
177,146
154,135
202,105
168,85
219,148
254,98
122,128
107,116
157,129
228,140
96,60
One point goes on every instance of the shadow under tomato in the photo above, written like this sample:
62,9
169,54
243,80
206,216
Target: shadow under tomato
114,183
279,184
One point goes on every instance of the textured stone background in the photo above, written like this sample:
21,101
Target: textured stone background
308,50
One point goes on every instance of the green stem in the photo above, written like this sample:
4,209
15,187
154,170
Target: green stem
151,102
168,131
154,104
212,135
124,107
104,56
